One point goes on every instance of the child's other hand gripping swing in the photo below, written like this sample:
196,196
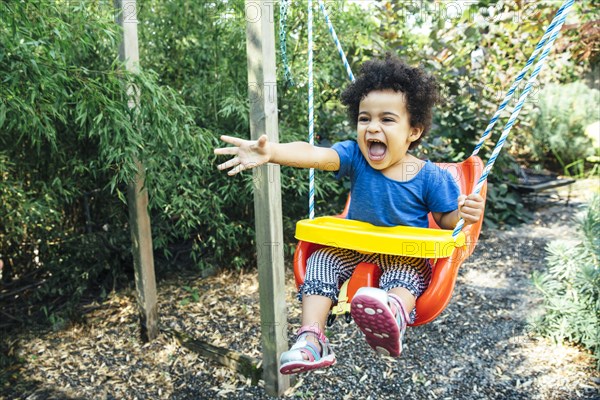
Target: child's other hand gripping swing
391,104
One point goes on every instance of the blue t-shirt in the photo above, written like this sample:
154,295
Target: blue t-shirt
382,201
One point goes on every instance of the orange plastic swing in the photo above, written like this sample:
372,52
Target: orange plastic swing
445,253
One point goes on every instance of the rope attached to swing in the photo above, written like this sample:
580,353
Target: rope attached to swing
546,43
560,19
311,173
336,41
287,73
283,9
311,120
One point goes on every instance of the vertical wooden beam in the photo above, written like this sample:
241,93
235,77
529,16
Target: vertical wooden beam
262,91
137,194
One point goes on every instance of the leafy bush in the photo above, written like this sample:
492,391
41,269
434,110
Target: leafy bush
189,57
558,137
68,145
68,141
504,207
571,286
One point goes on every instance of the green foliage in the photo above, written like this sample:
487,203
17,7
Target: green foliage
558,136
504,207
194,296
63,136
571,286
189,57
198,49
69,144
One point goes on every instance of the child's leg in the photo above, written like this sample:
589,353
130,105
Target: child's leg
315,309
407,299
325,269
405,277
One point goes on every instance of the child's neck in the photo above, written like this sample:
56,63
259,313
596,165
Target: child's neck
404,170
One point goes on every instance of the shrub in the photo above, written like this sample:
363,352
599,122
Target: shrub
558,136
571,286
68,145
68,139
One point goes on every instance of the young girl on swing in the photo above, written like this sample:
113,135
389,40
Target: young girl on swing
391,104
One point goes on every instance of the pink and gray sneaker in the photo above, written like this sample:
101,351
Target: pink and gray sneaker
304,355
382,318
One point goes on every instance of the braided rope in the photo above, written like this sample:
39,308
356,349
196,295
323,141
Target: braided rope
538,67
311,122
546,43
517,82
336,41
311,173
287,73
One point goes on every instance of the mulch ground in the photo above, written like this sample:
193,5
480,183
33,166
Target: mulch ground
481,347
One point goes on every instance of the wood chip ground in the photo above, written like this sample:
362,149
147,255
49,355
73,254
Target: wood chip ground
481,347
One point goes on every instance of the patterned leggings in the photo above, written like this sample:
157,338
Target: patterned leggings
329,267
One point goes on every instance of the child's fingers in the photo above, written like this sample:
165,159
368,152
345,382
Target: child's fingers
226,151
234,162
236,170
475,197
470,207
469,204
262,141
469,217
473,201
232,140
470,212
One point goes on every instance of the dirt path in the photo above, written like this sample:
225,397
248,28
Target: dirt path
479,348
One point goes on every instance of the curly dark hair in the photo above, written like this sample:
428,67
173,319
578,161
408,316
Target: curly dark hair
418,86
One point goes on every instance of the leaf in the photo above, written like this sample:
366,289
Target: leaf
2,114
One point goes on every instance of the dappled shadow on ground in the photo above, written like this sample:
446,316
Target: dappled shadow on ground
43,391
480,347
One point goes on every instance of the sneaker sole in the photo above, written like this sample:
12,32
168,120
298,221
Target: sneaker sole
378,324
296,367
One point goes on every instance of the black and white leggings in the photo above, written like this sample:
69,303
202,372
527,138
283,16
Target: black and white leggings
329,267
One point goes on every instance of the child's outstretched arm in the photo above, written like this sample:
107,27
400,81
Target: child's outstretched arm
470,209
249,154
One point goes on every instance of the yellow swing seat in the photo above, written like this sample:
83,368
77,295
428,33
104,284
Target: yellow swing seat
445,253
367,238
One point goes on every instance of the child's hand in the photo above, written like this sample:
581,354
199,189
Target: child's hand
470,208
248,153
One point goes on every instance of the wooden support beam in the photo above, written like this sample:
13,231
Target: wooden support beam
137,194
262,91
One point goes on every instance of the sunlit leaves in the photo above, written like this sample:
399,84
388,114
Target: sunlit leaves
570,286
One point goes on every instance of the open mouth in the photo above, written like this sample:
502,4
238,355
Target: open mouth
376,149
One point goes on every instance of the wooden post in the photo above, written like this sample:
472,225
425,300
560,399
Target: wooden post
137,194
262,91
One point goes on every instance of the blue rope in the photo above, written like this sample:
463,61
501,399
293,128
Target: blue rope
311,122
511,91
538,67
311,173
336,41
283,9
